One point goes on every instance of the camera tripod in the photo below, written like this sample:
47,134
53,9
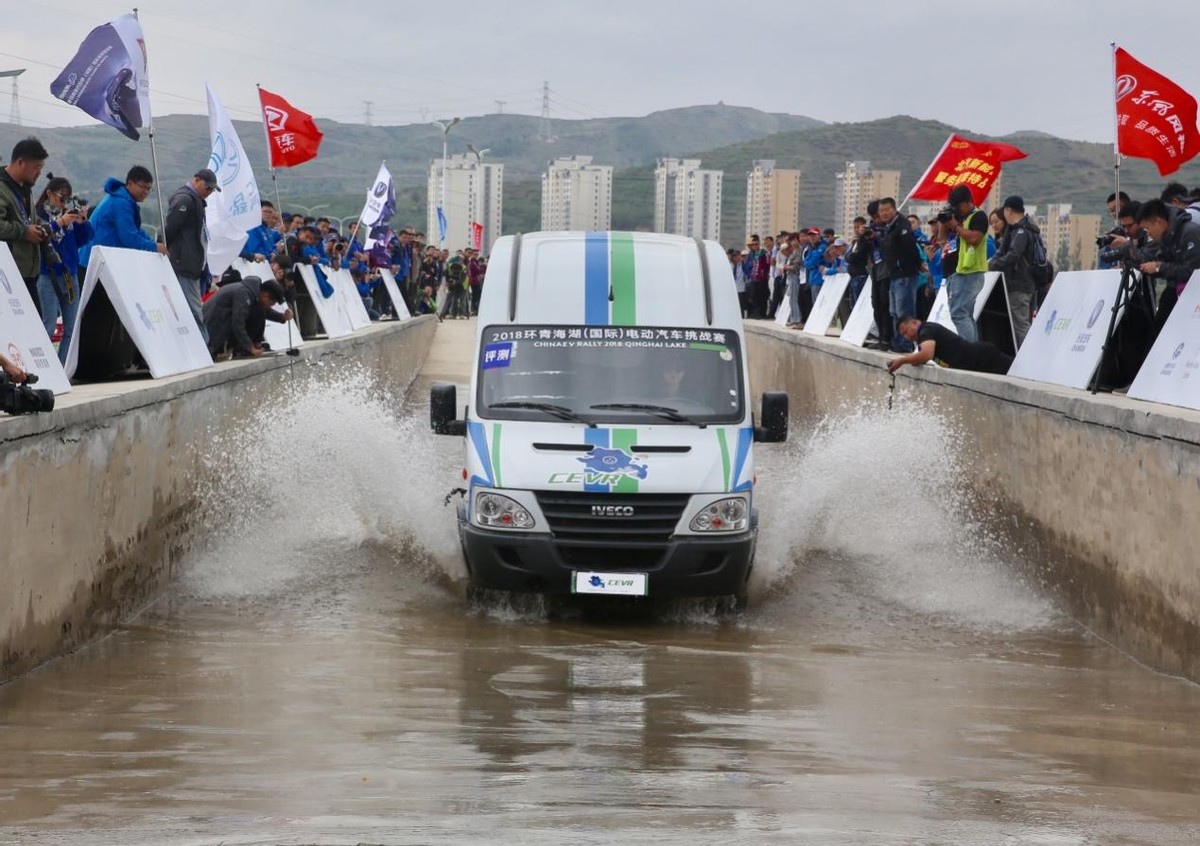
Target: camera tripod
1135,296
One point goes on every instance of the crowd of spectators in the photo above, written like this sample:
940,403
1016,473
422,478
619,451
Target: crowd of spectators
51,238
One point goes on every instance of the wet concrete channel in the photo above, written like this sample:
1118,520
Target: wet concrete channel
336,689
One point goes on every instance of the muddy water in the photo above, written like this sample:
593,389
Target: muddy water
315,677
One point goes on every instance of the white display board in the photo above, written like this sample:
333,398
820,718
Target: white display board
389,282
826,306
334,318
23,338
940,312
275,334
783,313
150,304
1171,372
352,302
861,321
1066,341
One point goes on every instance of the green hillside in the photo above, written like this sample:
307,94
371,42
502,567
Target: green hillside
350,154
725,137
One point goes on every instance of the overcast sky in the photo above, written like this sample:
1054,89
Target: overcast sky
990,67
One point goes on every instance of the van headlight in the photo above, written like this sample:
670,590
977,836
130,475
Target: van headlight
724,515
494,511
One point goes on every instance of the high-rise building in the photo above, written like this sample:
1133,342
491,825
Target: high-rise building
856,186
687,200
474,194
1070,238
772,199
576,196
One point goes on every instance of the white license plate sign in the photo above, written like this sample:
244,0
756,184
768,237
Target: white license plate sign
613,584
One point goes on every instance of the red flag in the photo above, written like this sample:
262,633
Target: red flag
292,137
477,236
961,161
1156,119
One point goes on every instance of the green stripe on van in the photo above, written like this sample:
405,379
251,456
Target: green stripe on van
724,456
496,454
625,439
624,280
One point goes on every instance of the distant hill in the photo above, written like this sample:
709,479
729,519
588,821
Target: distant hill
724,137
350,153
1056,170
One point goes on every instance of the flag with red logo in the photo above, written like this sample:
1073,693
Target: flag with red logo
1156,119
962,161
477,236
292,136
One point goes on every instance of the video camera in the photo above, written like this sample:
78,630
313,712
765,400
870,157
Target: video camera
22,399
1130,254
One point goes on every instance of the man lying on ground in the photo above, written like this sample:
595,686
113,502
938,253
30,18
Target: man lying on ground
938,344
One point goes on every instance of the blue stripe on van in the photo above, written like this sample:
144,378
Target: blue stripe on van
597,437
745,440
595,279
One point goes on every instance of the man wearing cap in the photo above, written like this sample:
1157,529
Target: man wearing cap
187,238
964,286
1014,258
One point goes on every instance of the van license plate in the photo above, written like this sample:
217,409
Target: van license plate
614,584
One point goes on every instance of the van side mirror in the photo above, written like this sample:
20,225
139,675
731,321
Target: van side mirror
774,417
443,410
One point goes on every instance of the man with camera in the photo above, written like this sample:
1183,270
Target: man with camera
27,236
965,284
1178,253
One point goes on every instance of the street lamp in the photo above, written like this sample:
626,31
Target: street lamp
479,154
445,126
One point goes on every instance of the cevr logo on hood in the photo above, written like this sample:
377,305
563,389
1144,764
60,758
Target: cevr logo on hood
605,466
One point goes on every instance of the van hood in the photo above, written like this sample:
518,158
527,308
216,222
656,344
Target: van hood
523,455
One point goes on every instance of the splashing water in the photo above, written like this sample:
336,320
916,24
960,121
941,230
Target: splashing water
882,490
333,465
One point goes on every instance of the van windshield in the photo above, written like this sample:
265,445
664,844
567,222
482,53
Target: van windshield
610,374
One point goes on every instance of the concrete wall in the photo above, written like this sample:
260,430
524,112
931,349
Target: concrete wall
97,498
1106,488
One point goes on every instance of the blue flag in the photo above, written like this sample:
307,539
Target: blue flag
322,282
108,76
442,225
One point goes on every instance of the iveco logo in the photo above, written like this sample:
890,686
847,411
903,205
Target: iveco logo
612,510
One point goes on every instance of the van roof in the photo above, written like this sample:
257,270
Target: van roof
609,278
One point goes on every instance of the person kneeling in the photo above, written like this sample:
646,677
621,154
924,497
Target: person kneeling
938,344
237,315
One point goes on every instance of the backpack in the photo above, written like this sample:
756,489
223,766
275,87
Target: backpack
1040,268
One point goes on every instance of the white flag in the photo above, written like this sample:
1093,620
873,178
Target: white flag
233,212
380,207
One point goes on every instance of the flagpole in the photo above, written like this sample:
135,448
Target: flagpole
162,211
270,167
1116,133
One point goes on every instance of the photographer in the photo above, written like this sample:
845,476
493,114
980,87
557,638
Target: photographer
1126,243
26,235
1178,253
60,282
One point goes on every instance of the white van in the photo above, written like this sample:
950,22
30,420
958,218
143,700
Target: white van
609,436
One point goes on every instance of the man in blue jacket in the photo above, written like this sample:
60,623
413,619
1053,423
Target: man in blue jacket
262,240
117,220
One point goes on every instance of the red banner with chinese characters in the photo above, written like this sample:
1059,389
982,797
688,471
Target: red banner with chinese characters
962,161
477,236
1156,119
292,136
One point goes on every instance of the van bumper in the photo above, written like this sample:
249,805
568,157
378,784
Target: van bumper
689,565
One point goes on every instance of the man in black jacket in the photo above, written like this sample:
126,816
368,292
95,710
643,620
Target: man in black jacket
187,238
858,259
1178,255
904,260
1015,258
238,313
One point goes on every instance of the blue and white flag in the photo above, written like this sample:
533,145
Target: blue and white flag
380,208
442,225
236,209
108,76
